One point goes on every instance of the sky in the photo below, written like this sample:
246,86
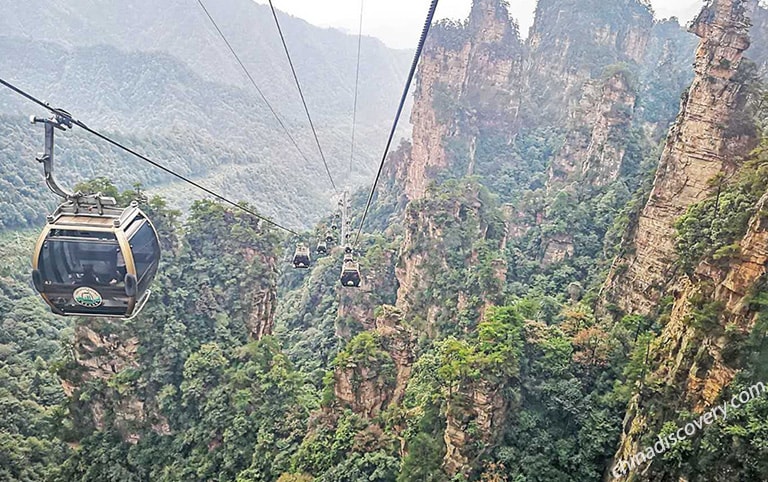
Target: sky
398,22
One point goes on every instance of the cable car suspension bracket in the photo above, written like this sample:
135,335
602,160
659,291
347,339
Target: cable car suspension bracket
62,121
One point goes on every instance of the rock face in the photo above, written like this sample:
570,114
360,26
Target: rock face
262,314
440,242
594,148
751,262
369,386
479,86
103,350
704,142
260,320
730,287
559,248
103,354
480,405
262,303
571,44
692,360
475,64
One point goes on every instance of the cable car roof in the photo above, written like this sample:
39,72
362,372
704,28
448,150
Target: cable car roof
96,221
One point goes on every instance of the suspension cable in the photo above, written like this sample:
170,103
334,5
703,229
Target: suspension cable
117,144
403,99
253,82
357,87
301,94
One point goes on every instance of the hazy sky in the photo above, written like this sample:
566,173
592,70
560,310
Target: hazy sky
398,22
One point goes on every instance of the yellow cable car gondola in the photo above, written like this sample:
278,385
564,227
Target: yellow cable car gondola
98,264
93,258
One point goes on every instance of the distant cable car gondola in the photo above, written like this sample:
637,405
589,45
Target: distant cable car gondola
301,256
350,272
322,248
329,237
93,258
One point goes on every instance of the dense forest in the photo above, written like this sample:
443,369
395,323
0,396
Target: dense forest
564,263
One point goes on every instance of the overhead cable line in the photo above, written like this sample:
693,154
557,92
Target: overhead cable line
301,93
357,85
255,85
117,144
403,99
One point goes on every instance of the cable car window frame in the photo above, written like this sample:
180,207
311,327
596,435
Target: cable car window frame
145,270
58,253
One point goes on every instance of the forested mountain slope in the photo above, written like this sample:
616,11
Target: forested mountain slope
699,243
513,323
30,392
530,162
160,75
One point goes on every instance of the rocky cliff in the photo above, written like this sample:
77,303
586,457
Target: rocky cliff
571,42
705,142
480,87
467,82
450,263
368,379
260,301
98,379
596,144
473,423
700,349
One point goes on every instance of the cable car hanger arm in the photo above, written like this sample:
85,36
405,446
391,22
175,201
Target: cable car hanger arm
47,157
62,120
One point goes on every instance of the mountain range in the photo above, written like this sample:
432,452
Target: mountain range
160,75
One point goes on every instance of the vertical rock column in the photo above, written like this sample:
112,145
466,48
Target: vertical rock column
700,146
474,64
607,107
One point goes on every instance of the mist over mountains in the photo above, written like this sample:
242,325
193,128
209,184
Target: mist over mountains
159,75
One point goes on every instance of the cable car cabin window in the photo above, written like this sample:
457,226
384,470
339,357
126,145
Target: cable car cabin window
146,253
78,273
80,258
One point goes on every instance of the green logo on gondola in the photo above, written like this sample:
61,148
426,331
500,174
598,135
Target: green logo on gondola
88,297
